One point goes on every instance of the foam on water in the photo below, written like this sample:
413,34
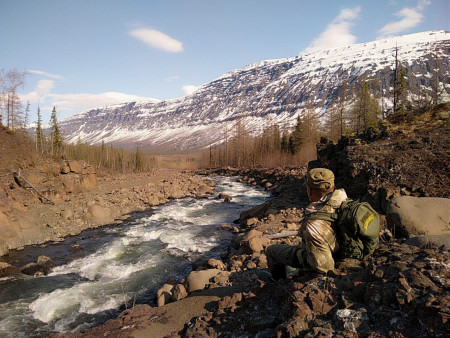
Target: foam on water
135,260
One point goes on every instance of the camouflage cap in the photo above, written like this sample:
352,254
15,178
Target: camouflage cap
317,177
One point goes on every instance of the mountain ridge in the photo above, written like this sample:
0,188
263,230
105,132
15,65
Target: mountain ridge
261,93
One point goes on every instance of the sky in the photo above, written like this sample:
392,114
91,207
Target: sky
83,54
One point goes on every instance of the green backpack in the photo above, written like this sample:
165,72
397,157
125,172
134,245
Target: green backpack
357,227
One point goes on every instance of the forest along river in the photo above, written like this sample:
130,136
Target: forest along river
111,264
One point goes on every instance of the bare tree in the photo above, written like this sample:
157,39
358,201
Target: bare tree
9,100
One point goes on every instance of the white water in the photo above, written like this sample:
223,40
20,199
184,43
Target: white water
121,264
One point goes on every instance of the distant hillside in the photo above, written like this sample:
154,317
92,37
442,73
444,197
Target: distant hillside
271,91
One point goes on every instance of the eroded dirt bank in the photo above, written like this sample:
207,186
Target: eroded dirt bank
49,203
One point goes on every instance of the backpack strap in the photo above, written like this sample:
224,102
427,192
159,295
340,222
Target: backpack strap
340,214
325,216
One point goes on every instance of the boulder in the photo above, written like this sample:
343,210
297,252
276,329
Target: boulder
89,181
216,264
256,211
257,244
32,269
225,197
197,280
101,215
164,294
179,292
8,270
252,234
46,263
407,215
429,240
153,200
75,166
222,278
204,190
250,222
65,169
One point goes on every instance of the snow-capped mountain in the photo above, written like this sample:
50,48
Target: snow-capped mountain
264,93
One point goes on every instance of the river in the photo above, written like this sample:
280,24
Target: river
102,271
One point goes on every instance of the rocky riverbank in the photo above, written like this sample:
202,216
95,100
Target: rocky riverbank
51,202
402,290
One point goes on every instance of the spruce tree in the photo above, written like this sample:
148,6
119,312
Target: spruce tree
56,136
39,133
296,139
138,161
401,92
285,143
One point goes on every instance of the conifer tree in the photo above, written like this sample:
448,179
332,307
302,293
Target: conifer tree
138,161
39,133
366,109
296,139
57,140
285,143
400,92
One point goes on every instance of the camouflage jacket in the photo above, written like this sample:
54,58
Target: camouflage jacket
319,236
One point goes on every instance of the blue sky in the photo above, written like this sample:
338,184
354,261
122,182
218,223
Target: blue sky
82,54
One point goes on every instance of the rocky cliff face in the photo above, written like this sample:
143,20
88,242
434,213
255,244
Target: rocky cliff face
264,93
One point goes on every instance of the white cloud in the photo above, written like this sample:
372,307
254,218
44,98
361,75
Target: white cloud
40,72
157,40
42,89
87,101
409,18
337,34
189,89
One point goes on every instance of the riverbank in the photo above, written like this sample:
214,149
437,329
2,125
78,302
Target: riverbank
42,205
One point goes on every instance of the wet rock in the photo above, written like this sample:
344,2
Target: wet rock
225,197
8,270
46,263
32,269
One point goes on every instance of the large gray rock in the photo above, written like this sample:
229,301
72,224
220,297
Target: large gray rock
407,215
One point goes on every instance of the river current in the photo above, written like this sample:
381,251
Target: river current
103,271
